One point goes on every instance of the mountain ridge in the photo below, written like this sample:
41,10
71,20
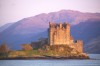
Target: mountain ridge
32,28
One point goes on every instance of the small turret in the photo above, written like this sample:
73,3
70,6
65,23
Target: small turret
67,25
51,24
60,25
79,45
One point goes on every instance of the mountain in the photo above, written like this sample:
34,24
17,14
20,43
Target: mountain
83,26
86,31
93,45
89,32
5,26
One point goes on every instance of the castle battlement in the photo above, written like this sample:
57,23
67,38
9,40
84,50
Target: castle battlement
59,25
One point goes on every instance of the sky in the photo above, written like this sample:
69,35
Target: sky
15,10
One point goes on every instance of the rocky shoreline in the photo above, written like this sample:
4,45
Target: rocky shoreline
44,57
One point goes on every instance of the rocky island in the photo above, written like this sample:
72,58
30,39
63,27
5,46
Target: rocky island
59,45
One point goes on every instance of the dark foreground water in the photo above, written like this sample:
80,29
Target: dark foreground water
95,61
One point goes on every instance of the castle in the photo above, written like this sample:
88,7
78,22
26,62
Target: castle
59,34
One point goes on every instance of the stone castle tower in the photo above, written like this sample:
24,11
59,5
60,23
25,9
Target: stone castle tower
59,34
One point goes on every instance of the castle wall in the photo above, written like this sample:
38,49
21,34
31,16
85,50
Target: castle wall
68,33
51,38
59,34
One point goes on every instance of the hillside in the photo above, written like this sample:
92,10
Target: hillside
93,45
5,26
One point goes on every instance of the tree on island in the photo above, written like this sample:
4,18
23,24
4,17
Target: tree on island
4,50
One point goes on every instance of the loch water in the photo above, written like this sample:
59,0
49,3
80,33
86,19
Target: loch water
94,61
